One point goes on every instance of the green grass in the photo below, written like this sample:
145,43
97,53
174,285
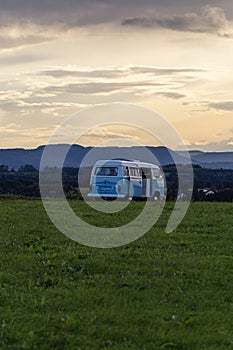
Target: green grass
164,291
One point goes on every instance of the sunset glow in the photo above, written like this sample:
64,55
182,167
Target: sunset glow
173,57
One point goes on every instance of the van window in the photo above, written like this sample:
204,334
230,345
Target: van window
134,172
106,171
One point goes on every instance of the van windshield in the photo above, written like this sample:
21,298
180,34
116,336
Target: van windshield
106,171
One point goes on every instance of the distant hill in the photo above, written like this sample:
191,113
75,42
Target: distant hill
212,160
14,158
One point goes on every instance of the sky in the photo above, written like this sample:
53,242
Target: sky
174,57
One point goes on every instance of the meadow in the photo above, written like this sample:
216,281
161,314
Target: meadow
163,291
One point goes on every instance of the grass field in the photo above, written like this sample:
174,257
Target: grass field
164,291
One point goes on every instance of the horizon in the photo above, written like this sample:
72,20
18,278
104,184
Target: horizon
172,57
104,146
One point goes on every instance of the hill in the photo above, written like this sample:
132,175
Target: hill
17,157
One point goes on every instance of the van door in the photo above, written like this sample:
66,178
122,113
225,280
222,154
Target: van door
146,182
135,178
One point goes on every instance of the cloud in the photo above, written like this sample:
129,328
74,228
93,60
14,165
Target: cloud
30,108
223,105
26,23
100,88
136,80
7,42
17,133
211,20
105,133
12,95
39,105
59,16
19,59
164,70
114,72
93,10
220,146
84,73
24,34
171,94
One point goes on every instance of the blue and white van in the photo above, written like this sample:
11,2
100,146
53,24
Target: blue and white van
111,179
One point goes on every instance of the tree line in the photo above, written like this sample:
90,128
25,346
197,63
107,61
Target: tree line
209,184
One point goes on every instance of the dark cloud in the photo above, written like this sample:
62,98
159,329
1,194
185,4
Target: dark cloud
55,17
46,5
85,12
211,20
66,14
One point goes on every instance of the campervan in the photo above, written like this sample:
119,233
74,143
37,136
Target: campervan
111,179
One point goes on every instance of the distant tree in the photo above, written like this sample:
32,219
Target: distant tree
208,184
28,168
4,168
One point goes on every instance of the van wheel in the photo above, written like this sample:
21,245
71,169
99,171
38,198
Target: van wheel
109,199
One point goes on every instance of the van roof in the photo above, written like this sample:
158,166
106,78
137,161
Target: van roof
109,162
